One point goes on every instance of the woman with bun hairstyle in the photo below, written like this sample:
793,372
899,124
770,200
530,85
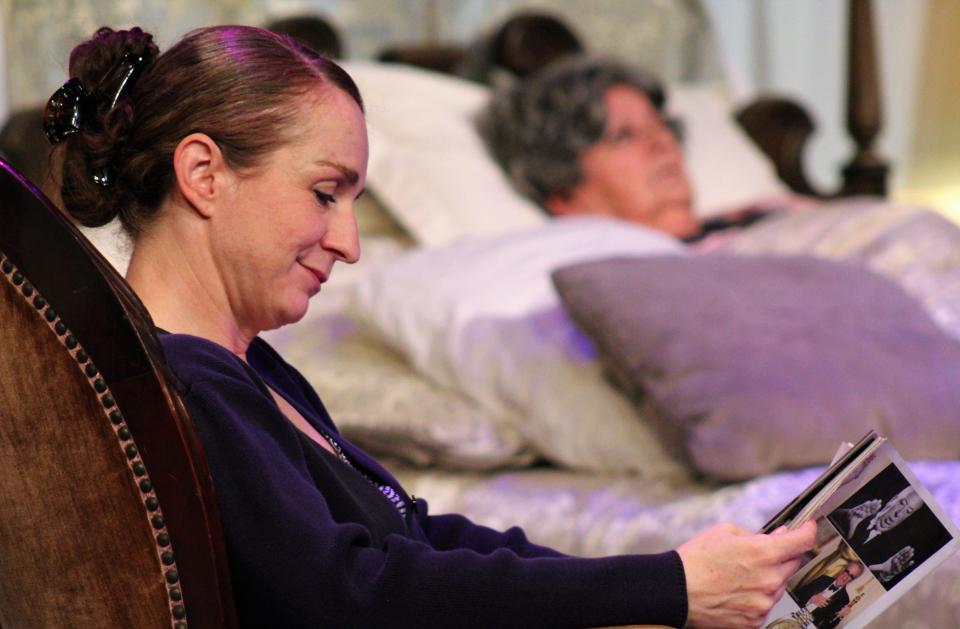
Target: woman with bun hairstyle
233,160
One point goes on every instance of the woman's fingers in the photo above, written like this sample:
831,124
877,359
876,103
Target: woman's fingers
794,543
734,576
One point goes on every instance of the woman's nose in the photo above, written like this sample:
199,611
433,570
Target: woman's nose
342,237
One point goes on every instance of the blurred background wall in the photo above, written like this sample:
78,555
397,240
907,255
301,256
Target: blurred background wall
933,160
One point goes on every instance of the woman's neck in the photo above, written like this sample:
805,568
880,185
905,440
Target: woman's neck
172,273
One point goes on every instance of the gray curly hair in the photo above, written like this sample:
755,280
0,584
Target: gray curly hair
537,129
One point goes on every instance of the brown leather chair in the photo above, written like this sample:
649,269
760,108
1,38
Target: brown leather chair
107,511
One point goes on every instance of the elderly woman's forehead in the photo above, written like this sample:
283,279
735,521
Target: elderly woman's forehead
627,100
628,92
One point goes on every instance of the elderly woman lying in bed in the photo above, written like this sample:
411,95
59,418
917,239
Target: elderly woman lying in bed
479,313
572,153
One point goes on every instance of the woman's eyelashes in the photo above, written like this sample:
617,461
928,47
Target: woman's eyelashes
324,198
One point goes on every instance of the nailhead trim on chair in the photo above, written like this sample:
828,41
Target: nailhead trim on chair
165,556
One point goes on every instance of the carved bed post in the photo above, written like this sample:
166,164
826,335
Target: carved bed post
781,127
867,172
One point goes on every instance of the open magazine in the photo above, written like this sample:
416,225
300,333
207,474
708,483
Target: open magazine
878,533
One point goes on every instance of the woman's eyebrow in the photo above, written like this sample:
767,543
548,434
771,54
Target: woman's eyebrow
348,173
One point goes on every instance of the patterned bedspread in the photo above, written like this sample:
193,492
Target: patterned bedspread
595,515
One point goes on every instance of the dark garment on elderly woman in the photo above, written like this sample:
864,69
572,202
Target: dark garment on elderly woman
321,540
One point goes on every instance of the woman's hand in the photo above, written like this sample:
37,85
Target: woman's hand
734,576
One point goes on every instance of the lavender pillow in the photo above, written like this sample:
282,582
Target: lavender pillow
759,363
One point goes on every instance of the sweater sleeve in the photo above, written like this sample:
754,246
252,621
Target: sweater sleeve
295,565
450,530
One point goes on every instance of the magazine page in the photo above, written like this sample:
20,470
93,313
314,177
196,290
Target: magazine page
847,459
878,534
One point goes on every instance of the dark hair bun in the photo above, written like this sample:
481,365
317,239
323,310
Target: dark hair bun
91,60
93,154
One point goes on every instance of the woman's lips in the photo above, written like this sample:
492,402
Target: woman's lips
320,276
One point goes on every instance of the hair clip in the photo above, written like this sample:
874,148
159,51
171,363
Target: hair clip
104,176
71,108
121,76
67,111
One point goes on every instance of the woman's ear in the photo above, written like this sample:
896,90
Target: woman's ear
201,171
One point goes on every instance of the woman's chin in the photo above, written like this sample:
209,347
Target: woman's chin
679,223
293,311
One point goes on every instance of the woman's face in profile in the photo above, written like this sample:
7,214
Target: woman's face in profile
636,169
289,220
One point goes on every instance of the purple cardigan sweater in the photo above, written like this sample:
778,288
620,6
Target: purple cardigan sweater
313,542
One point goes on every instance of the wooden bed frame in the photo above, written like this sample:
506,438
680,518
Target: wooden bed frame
780,127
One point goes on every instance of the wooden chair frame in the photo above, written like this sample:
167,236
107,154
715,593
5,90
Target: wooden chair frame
107,510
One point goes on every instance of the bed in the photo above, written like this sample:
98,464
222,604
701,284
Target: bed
451,353
449,350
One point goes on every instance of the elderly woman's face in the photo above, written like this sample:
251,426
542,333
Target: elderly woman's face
636,171
292,218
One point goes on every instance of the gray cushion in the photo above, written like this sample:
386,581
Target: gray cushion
759,363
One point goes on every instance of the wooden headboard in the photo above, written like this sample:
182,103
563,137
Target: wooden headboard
781,127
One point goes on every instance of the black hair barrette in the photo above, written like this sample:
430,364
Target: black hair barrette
71,108
119,78
67,112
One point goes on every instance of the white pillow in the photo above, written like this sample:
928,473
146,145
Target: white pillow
387,408
430,168
481,316
427,164
726,169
